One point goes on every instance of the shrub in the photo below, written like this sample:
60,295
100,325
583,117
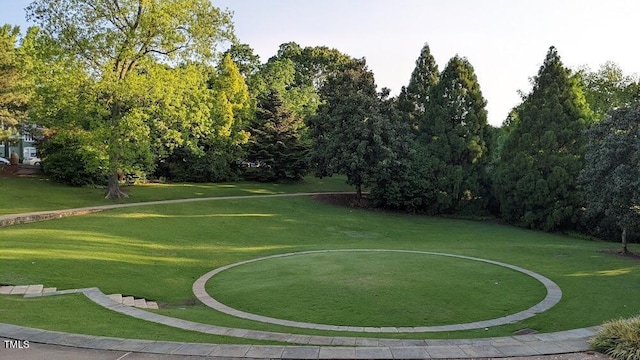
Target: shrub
71,158
619,339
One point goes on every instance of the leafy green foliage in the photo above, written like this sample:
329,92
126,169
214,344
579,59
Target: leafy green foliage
123,44
536,178
14,82
619,339
214,143
393,179
276,150
611,176
608,88
345,125
71,158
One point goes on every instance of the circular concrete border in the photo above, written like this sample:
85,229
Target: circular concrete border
554,294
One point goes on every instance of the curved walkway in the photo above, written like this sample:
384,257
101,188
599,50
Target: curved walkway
14,219
309,346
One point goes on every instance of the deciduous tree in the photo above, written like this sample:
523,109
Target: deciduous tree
14,83
121,43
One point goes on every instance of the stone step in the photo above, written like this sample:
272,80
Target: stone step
132,301
152,305
40,289
34,289
116,297
19,290
128,300
140,303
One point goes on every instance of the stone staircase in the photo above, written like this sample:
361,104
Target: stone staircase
40,290
131,301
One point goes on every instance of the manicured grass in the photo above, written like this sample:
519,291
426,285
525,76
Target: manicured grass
376,289
64,312
156,252
21,195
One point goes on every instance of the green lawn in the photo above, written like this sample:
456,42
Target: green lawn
21,195
376,289
157,252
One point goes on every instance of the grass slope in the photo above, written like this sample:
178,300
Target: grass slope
21,195
156,252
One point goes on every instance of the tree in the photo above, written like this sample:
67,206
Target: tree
246,60
14,83
393,179
342,128
453,131
414,98
120,44
213,147
608,88
611,176
276,151
536,177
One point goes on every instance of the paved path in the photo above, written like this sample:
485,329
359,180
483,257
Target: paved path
306,346
14,219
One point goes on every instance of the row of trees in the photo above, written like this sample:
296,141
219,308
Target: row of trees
139,87
556,164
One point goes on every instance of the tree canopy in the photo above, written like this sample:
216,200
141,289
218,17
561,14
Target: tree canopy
15,87
611,176
536,179
126,47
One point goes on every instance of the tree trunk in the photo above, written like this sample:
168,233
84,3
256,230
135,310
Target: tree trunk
359,191
625,249
113,189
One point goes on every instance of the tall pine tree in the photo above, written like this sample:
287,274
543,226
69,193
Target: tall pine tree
543,154
453,135
413,98
276,151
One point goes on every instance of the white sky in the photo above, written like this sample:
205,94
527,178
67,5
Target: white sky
505,40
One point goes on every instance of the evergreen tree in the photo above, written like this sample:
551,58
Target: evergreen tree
453,134
342,129
611,177
414,98
543,154
393,181
275,150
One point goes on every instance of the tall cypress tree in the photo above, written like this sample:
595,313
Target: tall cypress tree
453,134
543,154
413,99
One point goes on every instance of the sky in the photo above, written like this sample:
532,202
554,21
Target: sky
505,40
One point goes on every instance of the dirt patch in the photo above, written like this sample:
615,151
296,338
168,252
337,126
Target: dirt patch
20,170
